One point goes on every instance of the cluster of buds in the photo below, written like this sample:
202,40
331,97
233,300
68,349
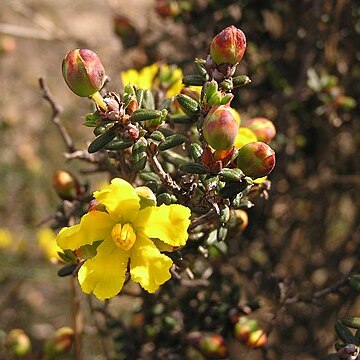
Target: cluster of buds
247,330
172,8
214,169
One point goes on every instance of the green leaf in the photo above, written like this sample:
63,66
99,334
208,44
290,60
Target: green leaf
139,154
145,114
101,141
241,80
172,141
89,251
193,80
195,151
92,120
148,101
188,104
149,176
193,168
227,174
66,270
119,144
344,333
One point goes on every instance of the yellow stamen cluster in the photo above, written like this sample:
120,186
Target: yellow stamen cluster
123,236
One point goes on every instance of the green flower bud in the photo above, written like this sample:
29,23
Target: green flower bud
221,127
263,128
256,159
18,343
228,46
83,72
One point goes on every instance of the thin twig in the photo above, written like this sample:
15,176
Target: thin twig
203,219
56,111
165,178
77,321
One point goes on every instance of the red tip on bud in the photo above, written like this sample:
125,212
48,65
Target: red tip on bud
256,159
83,72
221,127
228,47
263,128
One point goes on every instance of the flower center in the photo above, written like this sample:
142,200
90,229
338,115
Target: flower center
123,236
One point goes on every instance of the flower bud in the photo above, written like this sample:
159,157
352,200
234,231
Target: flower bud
18,343
263,128
228,46
221,127
244,327
212,346
257,339
66,186
242,219
59,343
256,159
83,72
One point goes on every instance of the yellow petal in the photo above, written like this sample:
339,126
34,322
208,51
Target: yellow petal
95,225
47,243
129,77
148,266
120,200
146,76
168,223
244,137
5,238
104,274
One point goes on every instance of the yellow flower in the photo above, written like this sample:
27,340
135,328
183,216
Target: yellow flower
5,238
155,76
142,79
126,229
47,243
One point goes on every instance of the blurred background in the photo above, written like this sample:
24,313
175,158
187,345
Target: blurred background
304,62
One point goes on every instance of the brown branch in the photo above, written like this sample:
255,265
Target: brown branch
105,339
77,320
56,111
165,178
203,219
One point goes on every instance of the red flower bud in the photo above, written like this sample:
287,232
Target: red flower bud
263,128
228,46
221,127
83,72
256,159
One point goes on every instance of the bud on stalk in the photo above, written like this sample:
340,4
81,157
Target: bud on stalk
228,47
84,73
256,159
221,127
263,128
